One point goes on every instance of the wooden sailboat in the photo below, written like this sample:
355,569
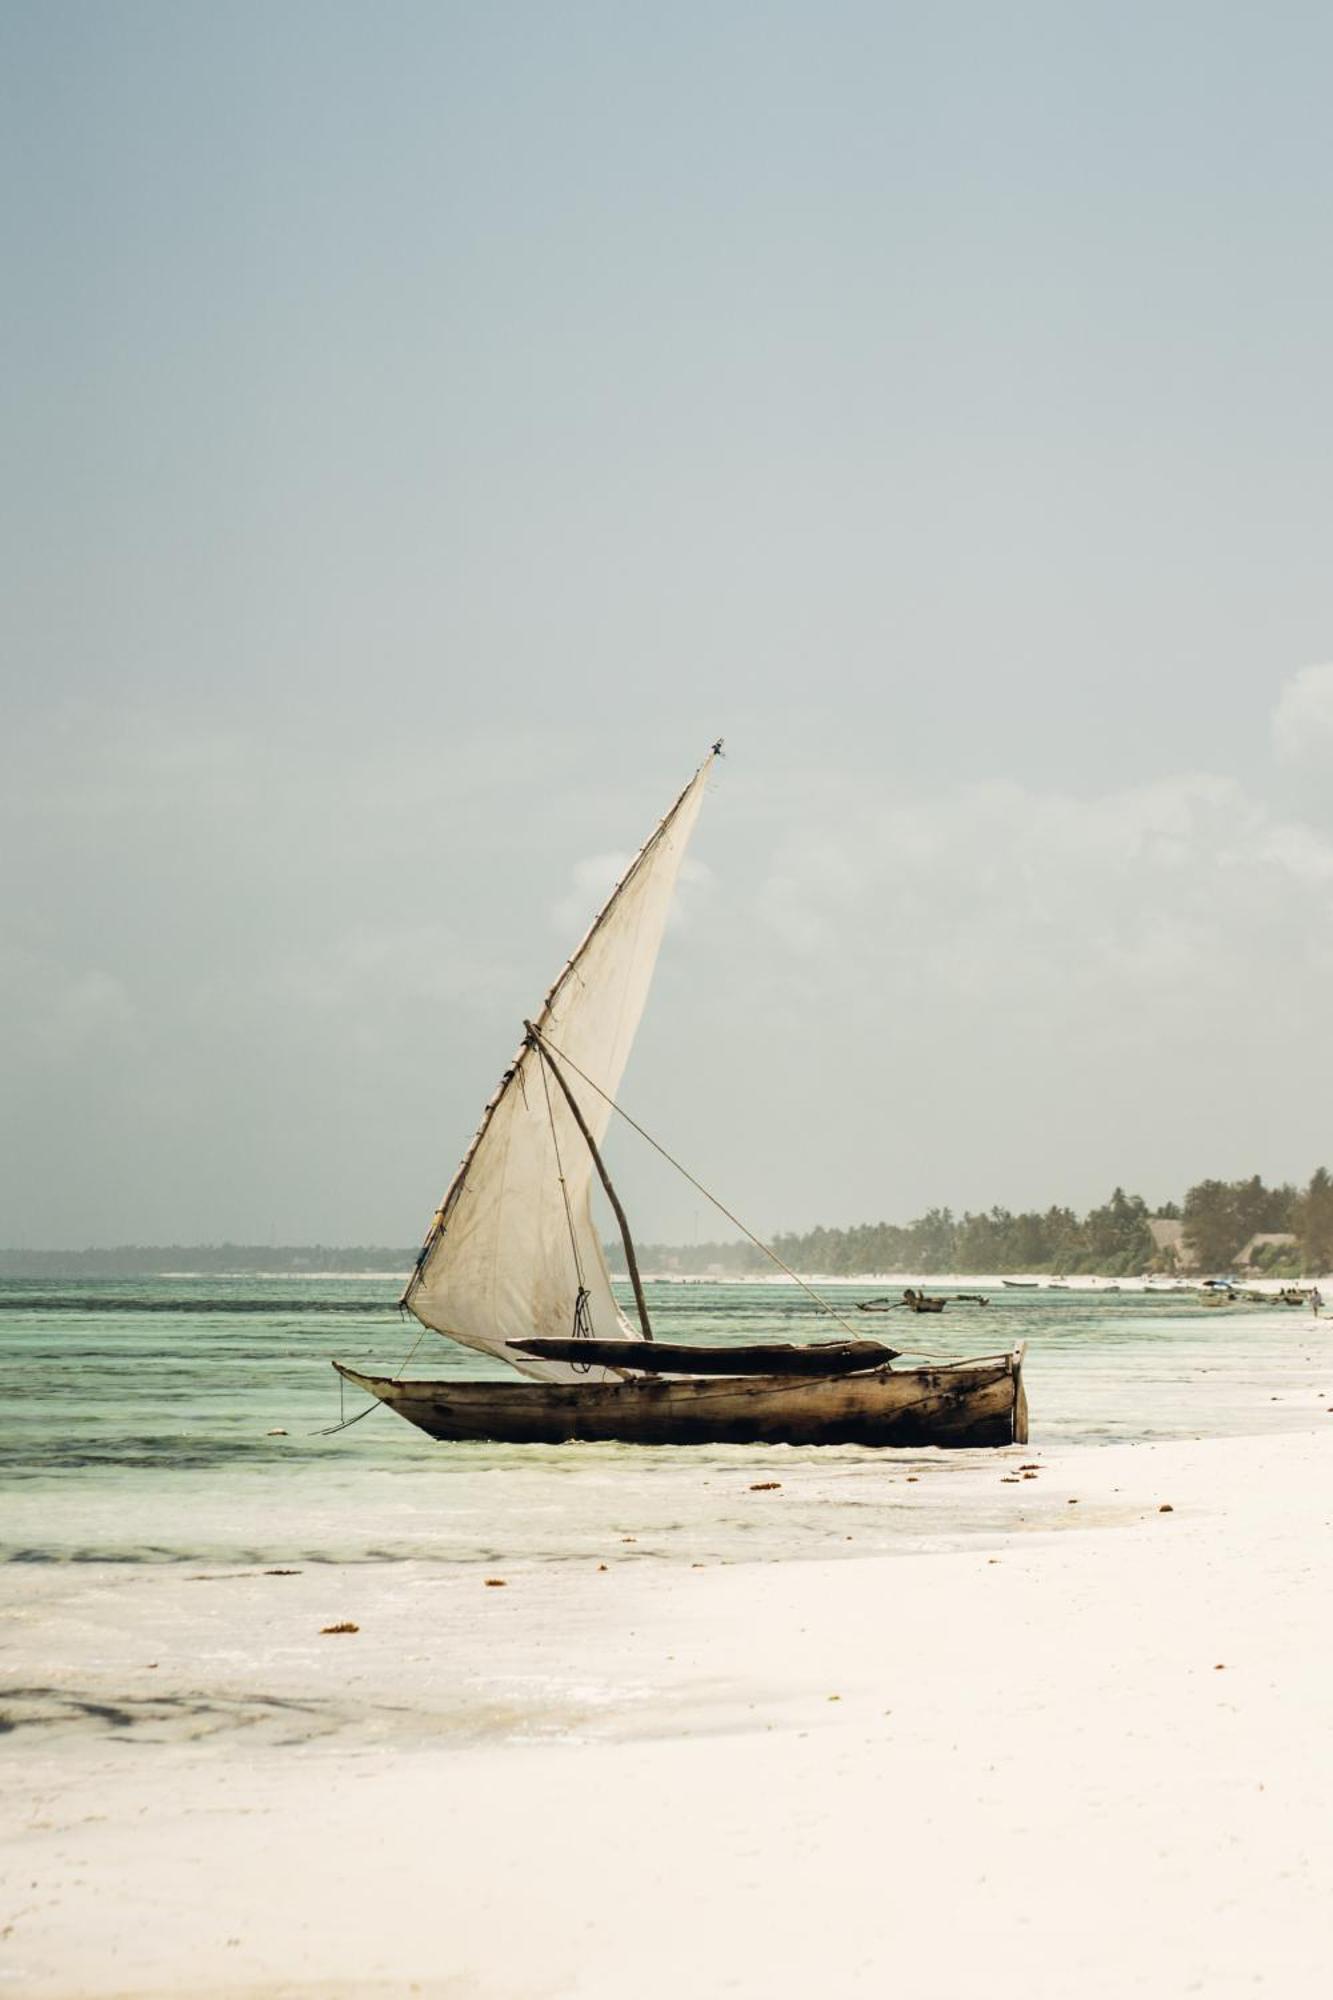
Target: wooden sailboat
953,1403
512,1264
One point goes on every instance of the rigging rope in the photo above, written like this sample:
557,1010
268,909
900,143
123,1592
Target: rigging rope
721,1207
345,1423
582,1328
331,1430
560,1176
582,1324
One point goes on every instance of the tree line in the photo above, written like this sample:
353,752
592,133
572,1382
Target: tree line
1217,1221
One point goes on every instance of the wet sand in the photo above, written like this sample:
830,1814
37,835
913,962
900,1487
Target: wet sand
1089,1753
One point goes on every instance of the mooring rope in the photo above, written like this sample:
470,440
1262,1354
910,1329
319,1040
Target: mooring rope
331,1430
345,1423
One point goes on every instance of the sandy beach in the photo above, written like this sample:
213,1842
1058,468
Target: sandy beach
666,784
1087,1753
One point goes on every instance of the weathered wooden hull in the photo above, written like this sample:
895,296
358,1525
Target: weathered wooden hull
957,1404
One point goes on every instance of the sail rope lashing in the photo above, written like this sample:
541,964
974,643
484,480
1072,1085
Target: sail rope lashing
720,1206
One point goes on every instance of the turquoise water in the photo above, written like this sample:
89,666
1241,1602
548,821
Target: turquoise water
140,1417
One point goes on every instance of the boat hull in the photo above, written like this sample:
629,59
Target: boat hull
956,1404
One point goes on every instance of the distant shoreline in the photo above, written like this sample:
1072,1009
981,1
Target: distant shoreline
211,1260
320,1264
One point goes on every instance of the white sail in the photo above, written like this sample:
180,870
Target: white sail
512,1253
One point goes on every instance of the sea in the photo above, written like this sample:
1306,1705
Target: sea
196,1420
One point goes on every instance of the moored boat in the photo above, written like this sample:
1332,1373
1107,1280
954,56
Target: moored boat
960,1403
513,1264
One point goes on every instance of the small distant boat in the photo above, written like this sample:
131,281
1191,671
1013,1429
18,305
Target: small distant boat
922,1302
911,1300
1021,1284
513,1265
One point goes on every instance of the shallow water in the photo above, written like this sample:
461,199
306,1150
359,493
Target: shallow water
141,1419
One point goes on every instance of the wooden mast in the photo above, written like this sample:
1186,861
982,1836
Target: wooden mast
535,1041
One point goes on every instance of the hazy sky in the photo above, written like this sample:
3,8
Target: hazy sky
427,426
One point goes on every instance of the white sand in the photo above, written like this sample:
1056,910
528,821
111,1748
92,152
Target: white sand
1089,1756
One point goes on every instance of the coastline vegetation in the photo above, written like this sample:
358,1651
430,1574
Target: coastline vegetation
1216,1223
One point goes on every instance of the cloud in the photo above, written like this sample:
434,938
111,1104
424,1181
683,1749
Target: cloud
593,879
318,963
993,890
1303,718
63,1015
